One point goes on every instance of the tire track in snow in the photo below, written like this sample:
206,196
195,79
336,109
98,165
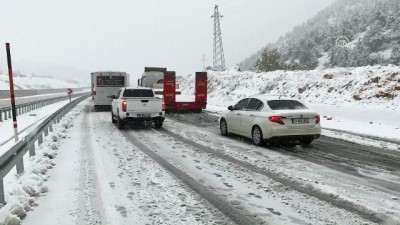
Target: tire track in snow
336,154
88,211
203,191
354,208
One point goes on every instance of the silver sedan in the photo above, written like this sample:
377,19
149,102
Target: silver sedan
266,118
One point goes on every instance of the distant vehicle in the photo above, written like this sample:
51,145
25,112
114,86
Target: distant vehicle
164,84
271,118
106,84
153,77
132,105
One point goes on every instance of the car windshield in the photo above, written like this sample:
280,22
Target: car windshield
138,93
285,104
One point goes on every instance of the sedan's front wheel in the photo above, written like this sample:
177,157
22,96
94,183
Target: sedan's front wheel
223,128
257,136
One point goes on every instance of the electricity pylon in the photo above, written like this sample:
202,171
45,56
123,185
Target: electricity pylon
218,56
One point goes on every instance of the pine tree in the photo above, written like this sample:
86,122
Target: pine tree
395,56
270,60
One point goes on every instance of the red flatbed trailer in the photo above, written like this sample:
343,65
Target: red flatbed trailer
169,93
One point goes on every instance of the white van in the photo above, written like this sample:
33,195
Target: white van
106,84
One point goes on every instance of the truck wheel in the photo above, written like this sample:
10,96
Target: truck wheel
112,118
120,123
158,124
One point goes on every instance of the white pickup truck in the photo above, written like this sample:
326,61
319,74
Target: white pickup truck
137,105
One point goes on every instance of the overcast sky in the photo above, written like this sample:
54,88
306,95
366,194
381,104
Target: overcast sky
74,37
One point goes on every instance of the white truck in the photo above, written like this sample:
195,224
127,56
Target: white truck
137,105
153,77
105,84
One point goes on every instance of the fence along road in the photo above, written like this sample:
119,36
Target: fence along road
14,156
31,103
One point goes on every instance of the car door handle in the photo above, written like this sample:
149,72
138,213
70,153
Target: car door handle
238,114
252,115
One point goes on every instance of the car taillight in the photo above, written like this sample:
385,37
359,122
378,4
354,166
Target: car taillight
277,119
94,92
163,105
124,106
318,119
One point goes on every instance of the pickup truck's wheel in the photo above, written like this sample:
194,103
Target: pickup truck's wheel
112,118
120,123
158,124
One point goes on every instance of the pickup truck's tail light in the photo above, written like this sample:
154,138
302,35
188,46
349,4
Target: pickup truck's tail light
277,119
163,105
124,103
318,119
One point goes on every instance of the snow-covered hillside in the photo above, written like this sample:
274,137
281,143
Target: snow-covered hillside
379,86
40,83
371,27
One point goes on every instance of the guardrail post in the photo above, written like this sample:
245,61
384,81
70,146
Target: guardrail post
51,127
46,131
9,113
1,116
2,199
40,139
32,150
20,165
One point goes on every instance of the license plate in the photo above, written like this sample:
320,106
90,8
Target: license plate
144,115
300,121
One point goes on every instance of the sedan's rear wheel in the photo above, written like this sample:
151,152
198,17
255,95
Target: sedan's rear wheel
307,141
223,127
257,136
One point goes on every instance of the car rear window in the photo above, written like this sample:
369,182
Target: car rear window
138,93
285,104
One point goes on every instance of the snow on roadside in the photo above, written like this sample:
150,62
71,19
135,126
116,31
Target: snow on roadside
22,190
39,83
346,97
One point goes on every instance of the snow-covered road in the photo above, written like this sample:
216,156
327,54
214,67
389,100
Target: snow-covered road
106,176
104,179
110,179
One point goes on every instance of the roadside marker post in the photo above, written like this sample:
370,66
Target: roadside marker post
12,95
69,92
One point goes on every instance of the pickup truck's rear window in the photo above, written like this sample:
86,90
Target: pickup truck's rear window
138,93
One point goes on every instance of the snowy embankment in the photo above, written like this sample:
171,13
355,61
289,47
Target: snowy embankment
21,191
364,100
40,83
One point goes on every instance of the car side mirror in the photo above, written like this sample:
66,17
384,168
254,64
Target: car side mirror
113,97
230,108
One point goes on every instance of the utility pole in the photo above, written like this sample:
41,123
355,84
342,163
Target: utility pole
204,63
218,56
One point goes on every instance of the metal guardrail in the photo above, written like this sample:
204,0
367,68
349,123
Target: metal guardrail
15,155
29,92
5,112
